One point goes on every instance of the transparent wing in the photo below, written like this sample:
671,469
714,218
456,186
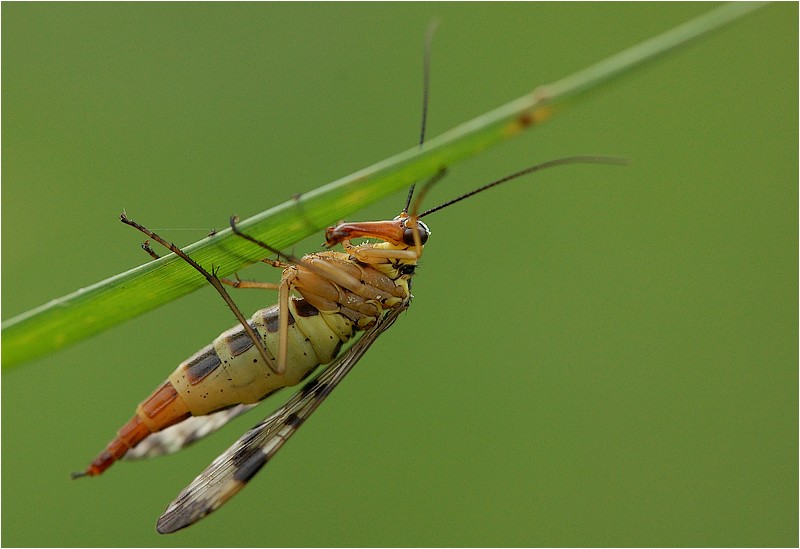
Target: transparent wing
186,432
231,471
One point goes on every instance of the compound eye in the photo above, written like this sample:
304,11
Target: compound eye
407,269
408,233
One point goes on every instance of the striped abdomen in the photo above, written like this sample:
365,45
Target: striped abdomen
230,371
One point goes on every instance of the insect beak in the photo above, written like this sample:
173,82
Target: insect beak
389,231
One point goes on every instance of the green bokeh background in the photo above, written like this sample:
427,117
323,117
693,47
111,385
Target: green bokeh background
595,356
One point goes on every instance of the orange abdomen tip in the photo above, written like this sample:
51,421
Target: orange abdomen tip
129,436
161,409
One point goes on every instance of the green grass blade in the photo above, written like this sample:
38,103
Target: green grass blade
89,310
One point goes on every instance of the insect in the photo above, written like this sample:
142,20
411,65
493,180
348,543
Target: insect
325,298
366,287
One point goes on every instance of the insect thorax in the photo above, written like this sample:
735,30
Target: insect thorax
337,283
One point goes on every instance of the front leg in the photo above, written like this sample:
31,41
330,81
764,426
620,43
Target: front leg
374,256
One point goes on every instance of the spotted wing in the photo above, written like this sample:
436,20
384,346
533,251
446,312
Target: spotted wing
231,471
186,432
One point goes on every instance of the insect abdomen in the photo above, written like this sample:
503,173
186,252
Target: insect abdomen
230,371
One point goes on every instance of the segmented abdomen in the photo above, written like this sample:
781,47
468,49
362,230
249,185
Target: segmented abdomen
231,371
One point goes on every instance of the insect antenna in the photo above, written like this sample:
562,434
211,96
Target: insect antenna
423,192
412,219
611,160
426,85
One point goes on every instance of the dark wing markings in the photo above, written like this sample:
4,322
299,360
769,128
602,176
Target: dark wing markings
231,471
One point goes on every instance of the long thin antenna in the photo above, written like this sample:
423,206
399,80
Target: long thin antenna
549,164
426,85
426,77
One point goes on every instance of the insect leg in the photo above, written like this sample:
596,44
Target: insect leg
146,247
283,326
252,284
237,232
283,295
215,282
370,255
249,284
276,263
234,283
238,283
283,312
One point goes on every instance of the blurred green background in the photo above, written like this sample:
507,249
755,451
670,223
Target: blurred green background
596,355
